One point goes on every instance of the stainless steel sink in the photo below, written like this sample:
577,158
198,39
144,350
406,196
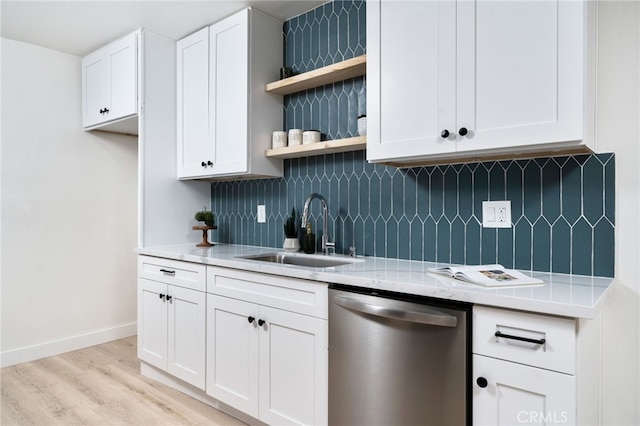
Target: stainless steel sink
311,261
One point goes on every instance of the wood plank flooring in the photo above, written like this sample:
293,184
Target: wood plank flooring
100,386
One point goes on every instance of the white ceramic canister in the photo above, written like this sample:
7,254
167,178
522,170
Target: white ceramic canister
362,125
310,136
295,137
279,139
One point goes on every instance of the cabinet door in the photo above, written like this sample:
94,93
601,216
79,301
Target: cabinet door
186,335
94,87
195,147
520,73
520,394
293,368
411,78
228,91
152,323
122,80
232,353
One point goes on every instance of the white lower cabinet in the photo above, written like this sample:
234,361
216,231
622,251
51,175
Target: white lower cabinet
520,394
523,368
268,362
171,321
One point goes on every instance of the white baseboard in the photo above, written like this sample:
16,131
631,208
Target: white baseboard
56,347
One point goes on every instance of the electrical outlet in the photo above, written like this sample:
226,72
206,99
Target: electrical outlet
262,213
496,214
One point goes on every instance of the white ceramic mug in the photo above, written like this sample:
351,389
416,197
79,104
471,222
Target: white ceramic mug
279,139
295,137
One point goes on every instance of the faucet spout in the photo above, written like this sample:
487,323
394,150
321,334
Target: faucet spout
326,245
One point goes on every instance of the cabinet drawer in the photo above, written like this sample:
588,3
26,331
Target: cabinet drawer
545,341
290,294
175,272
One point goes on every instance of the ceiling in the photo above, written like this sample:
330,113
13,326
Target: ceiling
80,27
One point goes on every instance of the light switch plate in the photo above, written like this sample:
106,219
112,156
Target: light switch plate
496,214
262,213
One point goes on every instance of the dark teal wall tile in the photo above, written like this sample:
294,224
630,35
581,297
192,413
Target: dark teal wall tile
563,208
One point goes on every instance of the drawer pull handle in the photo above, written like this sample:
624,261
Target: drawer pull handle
168,272
482,382
261,322
522,339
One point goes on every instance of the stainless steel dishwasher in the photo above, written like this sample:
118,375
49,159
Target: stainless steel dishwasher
396,359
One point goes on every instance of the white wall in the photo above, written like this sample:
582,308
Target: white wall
68,213
618,130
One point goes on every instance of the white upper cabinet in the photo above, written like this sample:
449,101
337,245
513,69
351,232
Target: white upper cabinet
110,83
464,79
225,117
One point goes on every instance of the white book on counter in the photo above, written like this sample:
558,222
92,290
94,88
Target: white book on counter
487,275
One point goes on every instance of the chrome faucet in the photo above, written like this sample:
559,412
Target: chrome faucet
326,245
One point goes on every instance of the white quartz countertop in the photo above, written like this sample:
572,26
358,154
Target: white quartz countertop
575,296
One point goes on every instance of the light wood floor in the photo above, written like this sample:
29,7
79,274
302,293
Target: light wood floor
99,386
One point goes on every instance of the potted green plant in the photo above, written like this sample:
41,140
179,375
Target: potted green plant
291,242
207,217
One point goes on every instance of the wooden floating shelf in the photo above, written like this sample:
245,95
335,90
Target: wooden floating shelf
350,68
319,148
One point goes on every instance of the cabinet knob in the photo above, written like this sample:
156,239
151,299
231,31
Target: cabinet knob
444,134
209,163
251,319
169,298
482,382
203,164
463,131
261,322
161,296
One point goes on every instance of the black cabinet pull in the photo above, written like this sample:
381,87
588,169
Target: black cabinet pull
261,322
482,382
168,272
444,134
209,163
203,164
463,131
251,319
161,296
169,298
101,111
106,110
521,339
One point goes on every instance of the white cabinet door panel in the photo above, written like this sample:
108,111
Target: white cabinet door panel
94,87
520,81
232,348
229,68
122,84
195,146
186,345
293,368
413,75
152,323
520,394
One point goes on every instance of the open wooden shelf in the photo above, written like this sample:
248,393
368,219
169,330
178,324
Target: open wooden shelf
319,148
350,68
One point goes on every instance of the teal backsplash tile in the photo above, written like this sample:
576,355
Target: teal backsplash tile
563,208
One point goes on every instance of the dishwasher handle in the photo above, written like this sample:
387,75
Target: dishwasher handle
429,318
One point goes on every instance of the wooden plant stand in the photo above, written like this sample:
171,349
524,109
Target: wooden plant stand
205,235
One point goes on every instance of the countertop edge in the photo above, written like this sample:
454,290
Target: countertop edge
454,291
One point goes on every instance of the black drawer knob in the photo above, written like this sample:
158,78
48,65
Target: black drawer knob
261,322
444,134
463,131
482,382
251,319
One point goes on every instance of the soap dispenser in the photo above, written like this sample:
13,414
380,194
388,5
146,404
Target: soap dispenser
309,242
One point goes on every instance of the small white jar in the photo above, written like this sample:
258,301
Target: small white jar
295,137
279,139
310,136
362,125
